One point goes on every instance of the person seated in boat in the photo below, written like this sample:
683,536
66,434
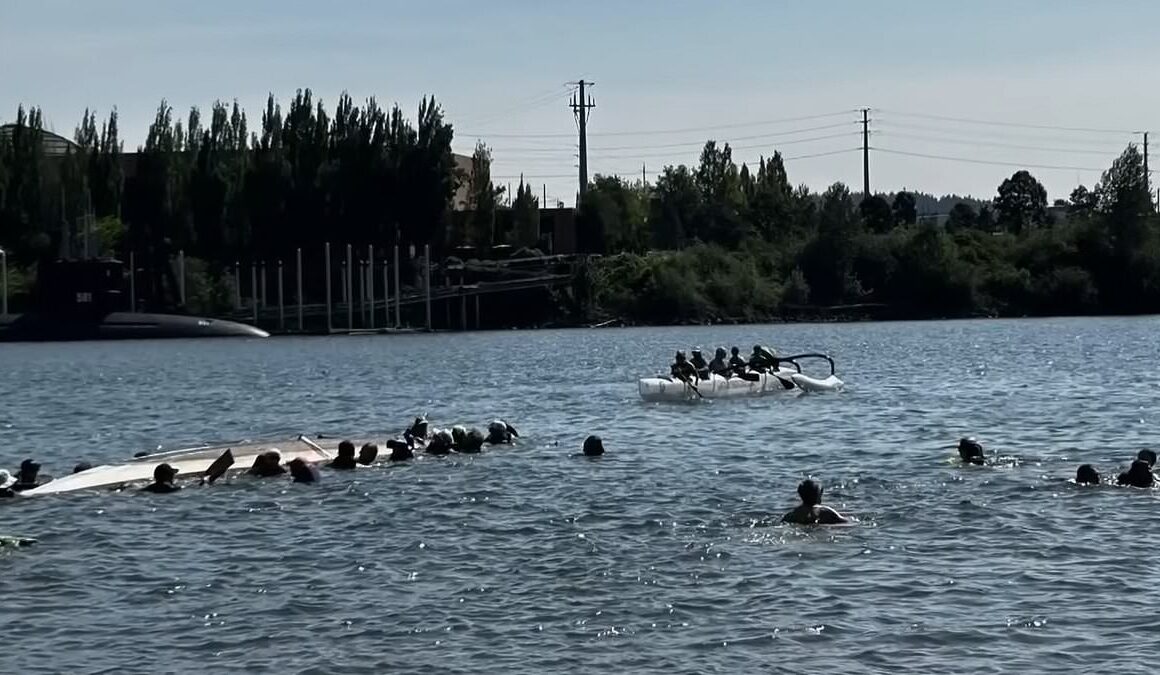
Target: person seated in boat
593,446
812,511
345,460
681,369
1086,474
302,472
971,452
500,432
28,476
1138,475
740,366
7,480
417,432
267,465
699,364
401,451
762,360
367,454
441,443
163,477
1147,456
718,365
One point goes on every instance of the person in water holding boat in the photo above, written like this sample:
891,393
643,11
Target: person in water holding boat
345,460
500,432
302,472
1138,475
699,364
812,511
7,480
267,465
367,454
163,480
417,432
594,446
1148,456
28,476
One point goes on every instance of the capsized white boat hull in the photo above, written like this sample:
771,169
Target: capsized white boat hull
191,462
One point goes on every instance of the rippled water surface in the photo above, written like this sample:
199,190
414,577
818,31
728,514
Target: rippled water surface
663,556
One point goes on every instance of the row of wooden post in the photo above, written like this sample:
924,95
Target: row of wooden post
366,289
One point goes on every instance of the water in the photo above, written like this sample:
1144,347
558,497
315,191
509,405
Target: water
663,556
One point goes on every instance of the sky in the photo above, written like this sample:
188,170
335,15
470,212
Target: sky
960,94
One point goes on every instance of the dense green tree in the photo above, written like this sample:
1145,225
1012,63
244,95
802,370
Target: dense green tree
876,214
905,209
961,217
1021,203
675,203
483,198
719,182
526,217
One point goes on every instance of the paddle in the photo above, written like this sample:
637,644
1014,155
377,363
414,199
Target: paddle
218,468
693,387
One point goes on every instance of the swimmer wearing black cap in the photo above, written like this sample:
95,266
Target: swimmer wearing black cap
812,511
971,452
163,477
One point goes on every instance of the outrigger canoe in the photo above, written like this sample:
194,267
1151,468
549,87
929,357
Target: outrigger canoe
188,462
788,378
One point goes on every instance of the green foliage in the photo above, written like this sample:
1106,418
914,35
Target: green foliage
482,199
526,214
1022,203
905,209
876,214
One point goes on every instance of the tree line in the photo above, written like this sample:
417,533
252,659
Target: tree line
722,242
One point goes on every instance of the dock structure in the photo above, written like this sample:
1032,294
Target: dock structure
451,294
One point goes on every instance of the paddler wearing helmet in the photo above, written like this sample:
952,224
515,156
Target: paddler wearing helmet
699,364
763,359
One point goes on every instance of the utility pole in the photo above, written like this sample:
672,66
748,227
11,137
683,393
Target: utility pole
865,153
581,107
1147,175
643,174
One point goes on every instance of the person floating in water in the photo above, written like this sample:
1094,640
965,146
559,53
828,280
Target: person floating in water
441,443
593,446
1086,474
1148,456
1138,475
163,477
500,432
812,511
699,364
682,370
401,451
345,460
301,472
7,480
367,454
267,465
718,365
971,451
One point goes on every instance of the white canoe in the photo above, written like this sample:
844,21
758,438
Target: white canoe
188,462
668,389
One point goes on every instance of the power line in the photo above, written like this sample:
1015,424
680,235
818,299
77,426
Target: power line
635,171
698,143
1048,127
661,132
1013,146
1021,165
531,103
1017,135
749,146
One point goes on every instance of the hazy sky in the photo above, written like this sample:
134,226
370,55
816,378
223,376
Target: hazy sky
729,70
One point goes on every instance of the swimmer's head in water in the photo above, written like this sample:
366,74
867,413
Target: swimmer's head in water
163,473
1086,474
82,466
1148,456
971,451
458,434
368,453
593,446
810,492
301,471
346,450
29,468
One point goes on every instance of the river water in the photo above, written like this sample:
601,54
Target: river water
663,556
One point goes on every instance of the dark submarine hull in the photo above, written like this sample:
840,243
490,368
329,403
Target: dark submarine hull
47,327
